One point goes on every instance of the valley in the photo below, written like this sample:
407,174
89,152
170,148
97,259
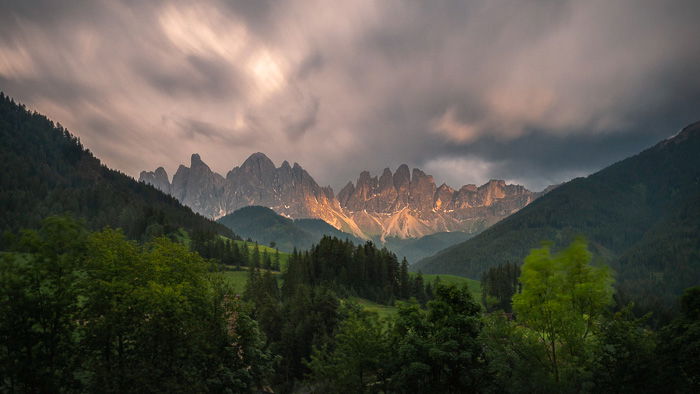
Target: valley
363,197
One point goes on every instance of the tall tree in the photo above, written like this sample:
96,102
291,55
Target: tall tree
498,285
680,345
95,312
357,359
438,350
562,297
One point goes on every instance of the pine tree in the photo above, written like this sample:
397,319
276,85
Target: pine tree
276,261
404,278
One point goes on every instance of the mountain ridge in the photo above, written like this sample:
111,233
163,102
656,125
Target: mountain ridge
403,204
629,211
45,170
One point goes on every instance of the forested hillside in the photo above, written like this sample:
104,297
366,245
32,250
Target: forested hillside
641,216
44,170
415,249
267,227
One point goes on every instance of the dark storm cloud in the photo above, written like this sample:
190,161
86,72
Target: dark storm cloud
311,63
194,129
255,13
533,91
297,127
201,77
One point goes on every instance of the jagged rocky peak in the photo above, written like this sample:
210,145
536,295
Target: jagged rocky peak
470,188
258,163
158,179
161,174
491,191
386,186
402,176
445,190
405,203
443,197
200,167
328,192
198,187
345,193
302,176
422,191
387,173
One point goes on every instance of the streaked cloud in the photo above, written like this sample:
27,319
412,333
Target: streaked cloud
534,90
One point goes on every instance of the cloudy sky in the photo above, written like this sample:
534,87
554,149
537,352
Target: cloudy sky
535,92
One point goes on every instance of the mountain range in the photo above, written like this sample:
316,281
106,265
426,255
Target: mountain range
641,216
402,204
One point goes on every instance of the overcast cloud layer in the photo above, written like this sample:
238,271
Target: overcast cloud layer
535,92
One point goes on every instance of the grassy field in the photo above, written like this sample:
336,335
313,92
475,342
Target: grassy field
474,285
384,311
238,279
284,257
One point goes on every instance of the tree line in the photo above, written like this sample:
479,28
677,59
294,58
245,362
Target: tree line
90,311
234,253
356,270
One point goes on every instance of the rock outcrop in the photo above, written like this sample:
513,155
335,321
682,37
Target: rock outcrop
404,204
158,178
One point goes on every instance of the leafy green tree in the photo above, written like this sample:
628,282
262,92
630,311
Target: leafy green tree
679,346
355,364
517,361
624,356
99,313
308,316
438,350
563,297
39,288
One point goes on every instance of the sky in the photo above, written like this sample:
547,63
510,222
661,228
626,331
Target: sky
535,92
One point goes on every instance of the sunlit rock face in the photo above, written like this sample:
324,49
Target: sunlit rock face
404,204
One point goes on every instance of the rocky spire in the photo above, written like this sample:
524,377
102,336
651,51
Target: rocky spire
404,203
157,178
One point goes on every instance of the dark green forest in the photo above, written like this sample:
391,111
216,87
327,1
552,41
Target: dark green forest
95,312
641,215
362,270
91,311
44,170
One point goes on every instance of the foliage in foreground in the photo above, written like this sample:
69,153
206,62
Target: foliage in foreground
95,312
564,337
562,300
431,350
87,312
